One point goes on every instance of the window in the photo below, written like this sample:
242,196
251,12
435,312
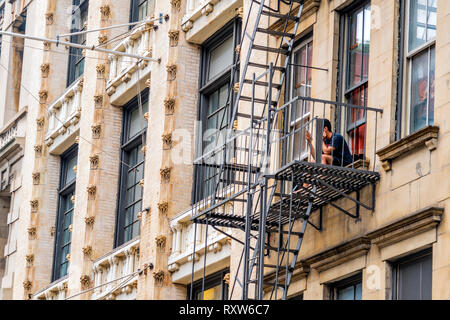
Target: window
140,9
64,216
412,277
79,23
347,289
215,288
216,98
2,13
301,86
418,65
356,74
131,170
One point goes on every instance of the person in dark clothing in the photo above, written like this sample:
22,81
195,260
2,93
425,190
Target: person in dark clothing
335,149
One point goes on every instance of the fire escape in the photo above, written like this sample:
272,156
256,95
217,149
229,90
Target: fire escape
260,188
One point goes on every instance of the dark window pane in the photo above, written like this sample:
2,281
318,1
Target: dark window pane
414,278
419,91
346,293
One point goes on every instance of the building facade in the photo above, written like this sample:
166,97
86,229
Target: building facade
97,150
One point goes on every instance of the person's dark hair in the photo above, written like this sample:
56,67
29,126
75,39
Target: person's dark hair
327,124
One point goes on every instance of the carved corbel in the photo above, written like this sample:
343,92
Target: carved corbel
163,207
169,104
43,96
96,131
226,278
207,9
38,150
92,191
105,10
240,12
167,141
165,174
100,68
102,39
174,36
36,178
47,45
94,161
431,144
160,242
27,284
49,18
159,277
45,70
387,165
176,4
87,251
29,258
89,221
98,100
34,204
40,123
187,26
85,281
32,233
171,72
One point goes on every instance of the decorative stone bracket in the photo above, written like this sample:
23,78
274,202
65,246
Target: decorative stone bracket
94,161
171,72
163,207
169,104
174,36
159,277
92,191
89,220
32,233
427,136
165,174
167,140
160,242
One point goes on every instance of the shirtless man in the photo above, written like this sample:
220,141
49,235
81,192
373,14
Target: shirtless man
332,147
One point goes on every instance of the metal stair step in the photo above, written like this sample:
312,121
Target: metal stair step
293,251
274,266
257,100
265,66
276,33
247,116
293,233
270,49
263,83
279,15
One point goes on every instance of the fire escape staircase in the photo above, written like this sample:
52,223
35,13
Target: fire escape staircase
278,204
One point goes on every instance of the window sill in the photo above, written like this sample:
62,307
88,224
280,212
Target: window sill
426,136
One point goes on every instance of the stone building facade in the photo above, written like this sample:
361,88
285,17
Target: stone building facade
97,149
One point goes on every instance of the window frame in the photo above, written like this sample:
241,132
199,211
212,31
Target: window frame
127,144
395,266
65,188
406,57
306,41
344,92
210,282
351,281
135,9
75,54
209,86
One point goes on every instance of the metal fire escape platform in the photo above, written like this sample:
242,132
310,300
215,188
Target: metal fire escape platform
331,184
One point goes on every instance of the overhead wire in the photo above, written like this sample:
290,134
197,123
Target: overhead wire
81,137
